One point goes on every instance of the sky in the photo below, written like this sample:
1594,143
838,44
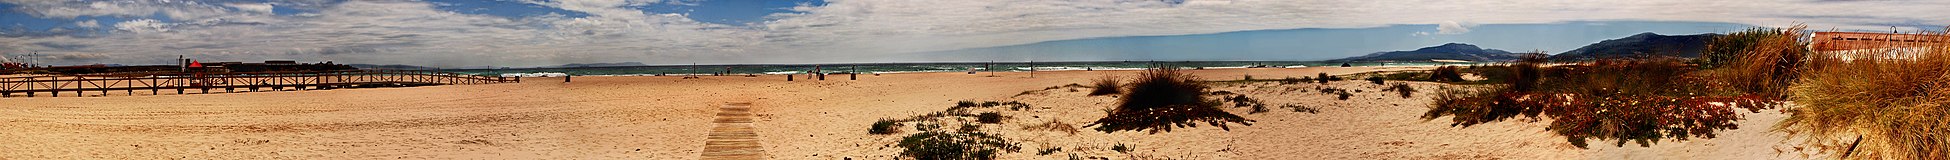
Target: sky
527,33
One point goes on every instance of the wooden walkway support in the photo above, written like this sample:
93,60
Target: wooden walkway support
156,84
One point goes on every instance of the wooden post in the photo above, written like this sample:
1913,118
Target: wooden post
103,87
227,86
788,77
153,87
56,83
78,81
30,86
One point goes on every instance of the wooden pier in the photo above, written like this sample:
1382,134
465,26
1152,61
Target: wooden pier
180,83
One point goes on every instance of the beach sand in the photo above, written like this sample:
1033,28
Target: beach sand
598,117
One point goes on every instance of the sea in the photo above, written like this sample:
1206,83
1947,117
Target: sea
877,68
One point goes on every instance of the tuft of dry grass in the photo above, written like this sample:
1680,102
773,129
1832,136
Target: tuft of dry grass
1446,74
1053,125
1106,85
1875,104
1402,88
1771,59
1162,98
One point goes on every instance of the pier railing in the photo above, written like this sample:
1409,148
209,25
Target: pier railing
159,83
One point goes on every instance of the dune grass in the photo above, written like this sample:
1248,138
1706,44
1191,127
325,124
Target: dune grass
1403,89
1446,74
1106,85
1771,59
1162,98
1874,104
1627,100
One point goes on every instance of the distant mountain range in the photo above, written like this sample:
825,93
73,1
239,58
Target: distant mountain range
1450,51
1641,44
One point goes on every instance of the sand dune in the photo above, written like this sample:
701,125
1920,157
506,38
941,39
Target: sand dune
670,118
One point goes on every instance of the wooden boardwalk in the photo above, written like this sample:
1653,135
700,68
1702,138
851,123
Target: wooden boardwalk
156,84
733,137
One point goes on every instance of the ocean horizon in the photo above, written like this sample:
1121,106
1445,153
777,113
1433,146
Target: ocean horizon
912,67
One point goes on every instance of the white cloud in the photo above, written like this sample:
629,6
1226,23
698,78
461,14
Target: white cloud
260,8
412,32
143,26
1418,34
87,24
73,9
1451,27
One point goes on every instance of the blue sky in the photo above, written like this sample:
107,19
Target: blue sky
463,33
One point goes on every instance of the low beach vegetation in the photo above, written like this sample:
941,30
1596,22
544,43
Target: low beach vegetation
1401,88
884,126
989,117
1446,74
954,145
1885,103
1162,98
1643,100
1106,85
1053,126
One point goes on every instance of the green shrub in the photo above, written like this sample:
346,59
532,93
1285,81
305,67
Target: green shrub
946,145
989,117
884,126
1376,80
1324,78
1161,98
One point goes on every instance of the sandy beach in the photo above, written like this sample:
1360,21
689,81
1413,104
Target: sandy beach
629,117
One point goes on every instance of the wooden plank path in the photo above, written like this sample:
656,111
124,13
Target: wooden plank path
733,137
158,83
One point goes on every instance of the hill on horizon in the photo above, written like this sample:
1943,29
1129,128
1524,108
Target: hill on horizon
1448,51
1647,43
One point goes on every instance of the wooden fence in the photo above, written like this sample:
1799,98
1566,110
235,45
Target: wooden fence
155,84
